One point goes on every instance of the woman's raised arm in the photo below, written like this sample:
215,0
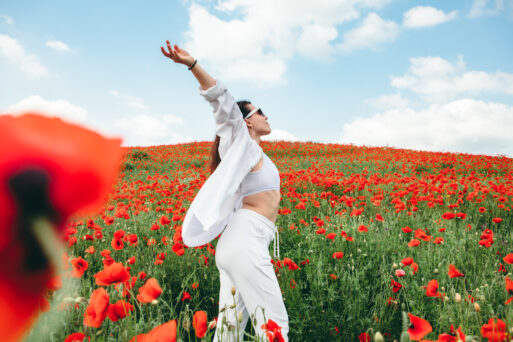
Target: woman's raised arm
183,57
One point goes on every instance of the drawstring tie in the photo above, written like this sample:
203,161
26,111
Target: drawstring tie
276,248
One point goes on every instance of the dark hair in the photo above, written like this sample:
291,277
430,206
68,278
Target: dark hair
215,159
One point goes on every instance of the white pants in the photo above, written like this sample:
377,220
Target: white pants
242,257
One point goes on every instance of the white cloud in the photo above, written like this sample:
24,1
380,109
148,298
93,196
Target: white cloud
262,36
465,125
8,20
14,52
171,119
314,41
146,130
131,101
426,16
389,101
439,80
370,33
279,134
490,7
58,46
59,108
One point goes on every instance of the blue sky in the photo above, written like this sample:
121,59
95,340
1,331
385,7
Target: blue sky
429,75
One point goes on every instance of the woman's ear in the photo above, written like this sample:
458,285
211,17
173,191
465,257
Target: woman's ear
248,124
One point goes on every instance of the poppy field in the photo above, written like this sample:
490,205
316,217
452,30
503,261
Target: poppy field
376,244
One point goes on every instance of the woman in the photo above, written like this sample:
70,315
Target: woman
243,195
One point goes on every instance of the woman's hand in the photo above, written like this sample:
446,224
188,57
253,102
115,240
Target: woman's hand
177,55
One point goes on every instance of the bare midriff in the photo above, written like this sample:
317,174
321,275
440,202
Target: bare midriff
265,203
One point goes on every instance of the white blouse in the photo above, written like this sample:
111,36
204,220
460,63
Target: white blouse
220,196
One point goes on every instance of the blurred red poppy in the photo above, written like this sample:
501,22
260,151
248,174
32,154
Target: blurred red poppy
494,331
199,323
96,312
418,327
119,310
163,333
50,170
454,272
114,273
149,291
78,336
79,267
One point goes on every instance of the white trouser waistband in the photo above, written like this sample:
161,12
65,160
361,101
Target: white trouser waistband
268,223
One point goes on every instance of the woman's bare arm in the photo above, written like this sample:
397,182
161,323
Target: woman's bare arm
183,57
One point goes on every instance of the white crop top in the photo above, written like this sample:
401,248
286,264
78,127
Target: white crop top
267,178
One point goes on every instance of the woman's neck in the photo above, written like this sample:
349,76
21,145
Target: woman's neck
254,137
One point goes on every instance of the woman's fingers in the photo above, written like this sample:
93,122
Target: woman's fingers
176,54
164,52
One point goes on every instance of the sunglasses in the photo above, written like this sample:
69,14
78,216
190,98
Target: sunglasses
256,110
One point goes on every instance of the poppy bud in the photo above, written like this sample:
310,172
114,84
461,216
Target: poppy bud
154,302
477,307
186,324
212,324
457,298
67,300
446,299
435,271
79,300
394,265
233,290
239,317
405,337
378,337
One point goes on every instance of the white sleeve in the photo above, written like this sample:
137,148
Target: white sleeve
228,117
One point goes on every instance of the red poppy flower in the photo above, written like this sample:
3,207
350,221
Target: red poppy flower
379,218
364,337
337,255
418,327
494,331
117,244
149,291
413,243
114,273
96,312
454,336
438,240
414,267
454,272
273,331
362,229
407,261
78,336
508,259
163,333
164,220
79,267
497,220
178,249
119,310
186,296
331,236
448,216
320,231
407,229
199,323
50,170
395,285
432,289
